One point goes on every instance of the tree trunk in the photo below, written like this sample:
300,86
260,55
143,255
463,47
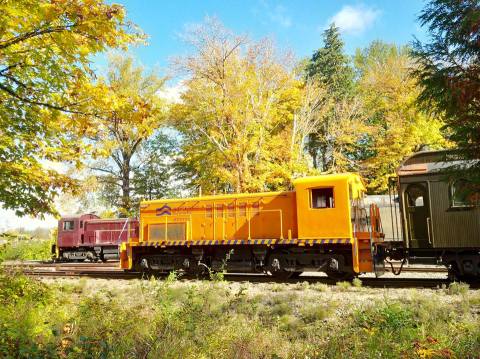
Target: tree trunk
126,202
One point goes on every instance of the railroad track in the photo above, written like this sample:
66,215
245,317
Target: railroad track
110,270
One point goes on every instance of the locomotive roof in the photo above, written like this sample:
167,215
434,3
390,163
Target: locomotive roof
317,180
427,162
328,178
216,197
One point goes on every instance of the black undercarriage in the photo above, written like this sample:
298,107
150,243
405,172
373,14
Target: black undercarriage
462,263
280,261
80,254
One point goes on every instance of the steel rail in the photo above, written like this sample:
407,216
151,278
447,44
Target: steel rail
117,273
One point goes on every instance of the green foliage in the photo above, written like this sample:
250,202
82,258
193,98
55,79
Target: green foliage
357,282
331,66
344,285
313,313
30,249
456,288
176,319
45,53
154,176
27,245
448,70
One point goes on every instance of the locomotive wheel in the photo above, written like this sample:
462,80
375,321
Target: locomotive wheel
454,275
340,276
276,269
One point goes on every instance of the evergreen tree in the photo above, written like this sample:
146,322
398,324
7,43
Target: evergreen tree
449,69
330,66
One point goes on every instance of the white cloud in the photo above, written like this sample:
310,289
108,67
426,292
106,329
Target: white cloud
280,16
267,12
173,93
354,19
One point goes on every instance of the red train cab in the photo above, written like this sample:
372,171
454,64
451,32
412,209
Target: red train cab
89,237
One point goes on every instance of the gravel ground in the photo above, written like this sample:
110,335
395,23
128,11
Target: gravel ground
345,297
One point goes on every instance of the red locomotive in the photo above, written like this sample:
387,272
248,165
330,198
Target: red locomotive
87,236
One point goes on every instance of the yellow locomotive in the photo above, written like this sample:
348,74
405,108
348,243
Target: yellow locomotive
322,225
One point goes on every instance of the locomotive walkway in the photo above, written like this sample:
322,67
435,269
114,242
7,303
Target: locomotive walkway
110,270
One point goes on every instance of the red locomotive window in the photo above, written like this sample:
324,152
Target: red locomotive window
81,224
255,208
242,209
219,208
68,225
231,210
208,211
322,198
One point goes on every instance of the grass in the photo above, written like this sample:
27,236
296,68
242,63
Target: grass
27,245
27,249
173,318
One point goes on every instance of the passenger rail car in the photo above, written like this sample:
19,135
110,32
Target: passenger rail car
89,237
439,214
320,226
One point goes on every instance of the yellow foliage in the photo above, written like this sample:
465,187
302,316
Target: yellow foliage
398,126
237,113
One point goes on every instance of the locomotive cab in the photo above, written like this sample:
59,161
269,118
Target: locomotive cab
324,205
71,237
331,208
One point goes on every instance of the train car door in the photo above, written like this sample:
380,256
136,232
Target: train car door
417,208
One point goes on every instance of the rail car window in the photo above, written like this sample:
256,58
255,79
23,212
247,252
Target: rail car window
322,197
68,225
415,196
81,224
464,193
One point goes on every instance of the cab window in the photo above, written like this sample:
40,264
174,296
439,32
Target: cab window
464,193
322,198
68,225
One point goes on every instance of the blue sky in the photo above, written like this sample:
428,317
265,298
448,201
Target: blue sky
295,25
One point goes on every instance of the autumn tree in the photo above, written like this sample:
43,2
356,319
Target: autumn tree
236,115
45,51
398,125
130,110
334,144
154,174
449,70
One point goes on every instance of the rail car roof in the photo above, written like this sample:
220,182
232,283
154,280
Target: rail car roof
428,162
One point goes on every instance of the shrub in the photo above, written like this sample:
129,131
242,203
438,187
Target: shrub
320,287
343,286
313,313
28,249
357,282
456,288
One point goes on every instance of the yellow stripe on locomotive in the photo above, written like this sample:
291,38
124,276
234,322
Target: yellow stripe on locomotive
321,211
